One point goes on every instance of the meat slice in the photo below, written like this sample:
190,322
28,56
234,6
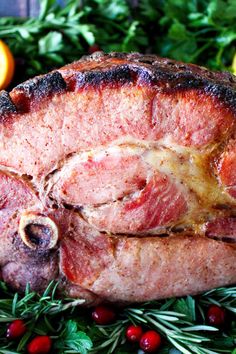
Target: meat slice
132,265
227,168
117,178
160,204
119,191
133,100
97,178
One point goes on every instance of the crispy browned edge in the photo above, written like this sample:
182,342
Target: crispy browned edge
118,69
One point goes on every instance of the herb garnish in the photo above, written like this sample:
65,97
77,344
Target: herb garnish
181,323
198,31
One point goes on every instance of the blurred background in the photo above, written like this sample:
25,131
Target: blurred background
22,8
46,34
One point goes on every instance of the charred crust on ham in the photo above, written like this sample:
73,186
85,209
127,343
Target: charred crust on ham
168,75
117,69
223,94
118,75
42,86
7,107
37,89
163,68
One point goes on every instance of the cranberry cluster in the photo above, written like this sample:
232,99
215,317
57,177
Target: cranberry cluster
38,345
149,341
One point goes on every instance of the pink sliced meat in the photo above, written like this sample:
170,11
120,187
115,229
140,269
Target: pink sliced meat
227,168
15,195
133,264
222,229
119,192
160,203
189,119
84,252
100,178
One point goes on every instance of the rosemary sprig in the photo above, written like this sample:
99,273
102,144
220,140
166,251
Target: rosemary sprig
225,297
43,315
181,323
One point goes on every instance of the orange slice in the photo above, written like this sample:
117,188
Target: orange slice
7,65
234,65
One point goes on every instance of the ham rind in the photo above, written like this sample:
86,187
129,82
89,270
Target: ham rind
117,179
107,106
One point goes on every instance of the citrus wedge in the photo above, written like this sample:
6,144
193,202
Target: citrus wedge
7,65
234,65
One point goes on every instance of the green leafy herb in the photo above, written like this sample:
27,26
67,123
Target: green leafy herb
181,322
73,340
43,315
198,31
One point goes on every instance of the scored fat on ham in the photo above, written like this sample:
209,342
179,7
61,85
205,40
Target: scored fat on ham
118,178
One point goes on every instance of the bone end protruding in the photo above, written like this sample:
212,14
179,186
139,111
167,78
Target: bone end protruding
38,231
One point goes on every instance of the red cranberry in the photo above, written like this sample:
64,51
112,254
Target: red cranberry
16,329
150,341
216,315
93,48
103,315
134,333
40,345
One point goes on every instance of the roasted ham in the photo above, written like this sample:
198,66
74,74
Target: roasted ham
118,178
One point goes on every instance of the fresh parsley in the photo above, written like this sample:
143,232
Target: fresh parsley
72,340
198,31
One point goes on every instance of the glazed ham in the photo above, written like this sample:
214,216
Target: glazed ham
118,178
